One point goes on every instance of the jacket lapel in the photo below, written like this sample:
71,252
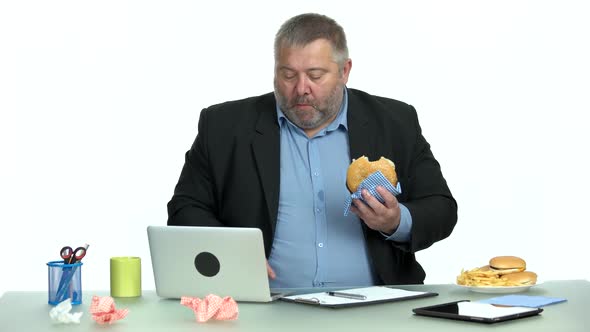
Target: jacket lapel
360,136
266,149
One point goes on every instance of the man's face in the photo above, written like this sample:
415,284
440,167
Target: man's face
308,84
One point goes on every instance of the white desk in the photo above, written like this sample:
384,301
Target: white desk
28,311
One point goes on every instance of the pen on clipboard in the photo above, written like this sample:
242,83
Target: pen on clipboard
348,295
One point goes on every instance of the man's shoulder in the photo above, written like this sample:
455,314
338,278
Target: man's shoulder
367,98
255,102
241,115
364,104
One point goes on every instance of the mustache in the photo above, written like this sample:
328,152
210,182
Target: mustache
302,100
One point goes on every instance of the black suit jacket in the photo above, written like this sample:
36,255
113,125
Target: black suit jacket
231,175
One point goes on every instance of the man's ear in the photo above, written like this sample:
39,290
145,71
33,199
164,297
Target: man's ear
346,70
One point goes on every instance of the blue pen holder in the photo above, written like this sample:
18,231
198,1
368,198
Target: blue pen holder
65,281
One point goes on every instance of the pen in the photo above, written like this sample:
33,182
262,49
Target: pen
348,295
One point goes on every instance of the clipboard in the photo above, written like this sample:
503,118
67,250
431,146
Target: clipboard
361,297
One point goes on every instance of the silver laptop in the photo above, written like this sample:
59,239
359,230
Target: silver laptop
198,261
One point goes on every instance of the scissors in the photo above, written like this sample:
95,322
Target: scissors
71,256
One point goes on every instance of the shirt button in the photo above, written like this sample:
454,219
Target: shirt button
316,173
321,245
317,210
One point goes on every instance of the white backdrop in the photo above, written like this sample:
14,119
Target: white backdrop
100,100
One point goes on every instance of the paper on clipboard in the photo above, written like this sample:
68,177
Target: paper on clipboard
374,294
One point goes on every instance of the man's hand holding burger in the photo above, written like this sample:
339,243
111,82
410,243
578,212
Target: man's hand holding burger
377,216
384,217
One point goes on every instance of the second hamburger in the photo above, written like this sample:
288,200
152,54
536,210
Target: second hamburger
507,264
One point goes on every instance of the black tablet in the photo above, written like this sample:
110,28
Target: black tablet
476,312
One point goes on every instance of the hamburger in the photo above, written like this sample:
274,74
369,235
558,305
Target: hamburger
501,271
361,168
507,264
520,278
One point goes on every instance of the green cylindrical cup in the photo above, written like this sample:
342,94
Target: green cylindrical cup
125,276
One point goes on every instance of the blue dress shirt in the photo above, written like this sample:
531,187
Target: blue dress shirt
314,244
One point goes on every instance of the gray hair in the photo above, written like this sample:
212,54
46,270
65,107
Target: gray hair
303,29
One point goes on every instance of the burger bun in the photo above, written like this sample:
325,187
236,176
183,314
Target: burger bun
507,264
521,278
361,168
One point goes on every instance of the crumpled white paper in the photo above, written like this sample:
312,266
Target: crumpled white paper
61,313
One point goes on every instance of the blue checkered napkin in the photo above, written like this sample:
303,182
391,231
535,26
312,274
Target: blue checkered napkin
371,183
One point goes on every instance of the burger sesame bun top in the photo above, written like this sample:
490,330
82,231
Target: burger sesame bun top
361,168
521,278
508,264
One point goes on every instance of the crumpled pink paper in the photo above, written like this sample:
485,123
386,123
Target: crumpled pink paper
211,307
103,310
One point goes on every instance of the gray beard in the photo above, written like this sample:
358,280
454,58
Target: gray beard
320,115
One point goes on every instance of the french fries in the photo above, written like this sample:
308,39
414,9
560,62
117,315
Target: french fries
482,277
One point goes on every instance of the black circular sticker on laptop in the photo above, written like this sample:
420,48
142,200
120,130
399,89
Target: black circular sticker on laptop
207,264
